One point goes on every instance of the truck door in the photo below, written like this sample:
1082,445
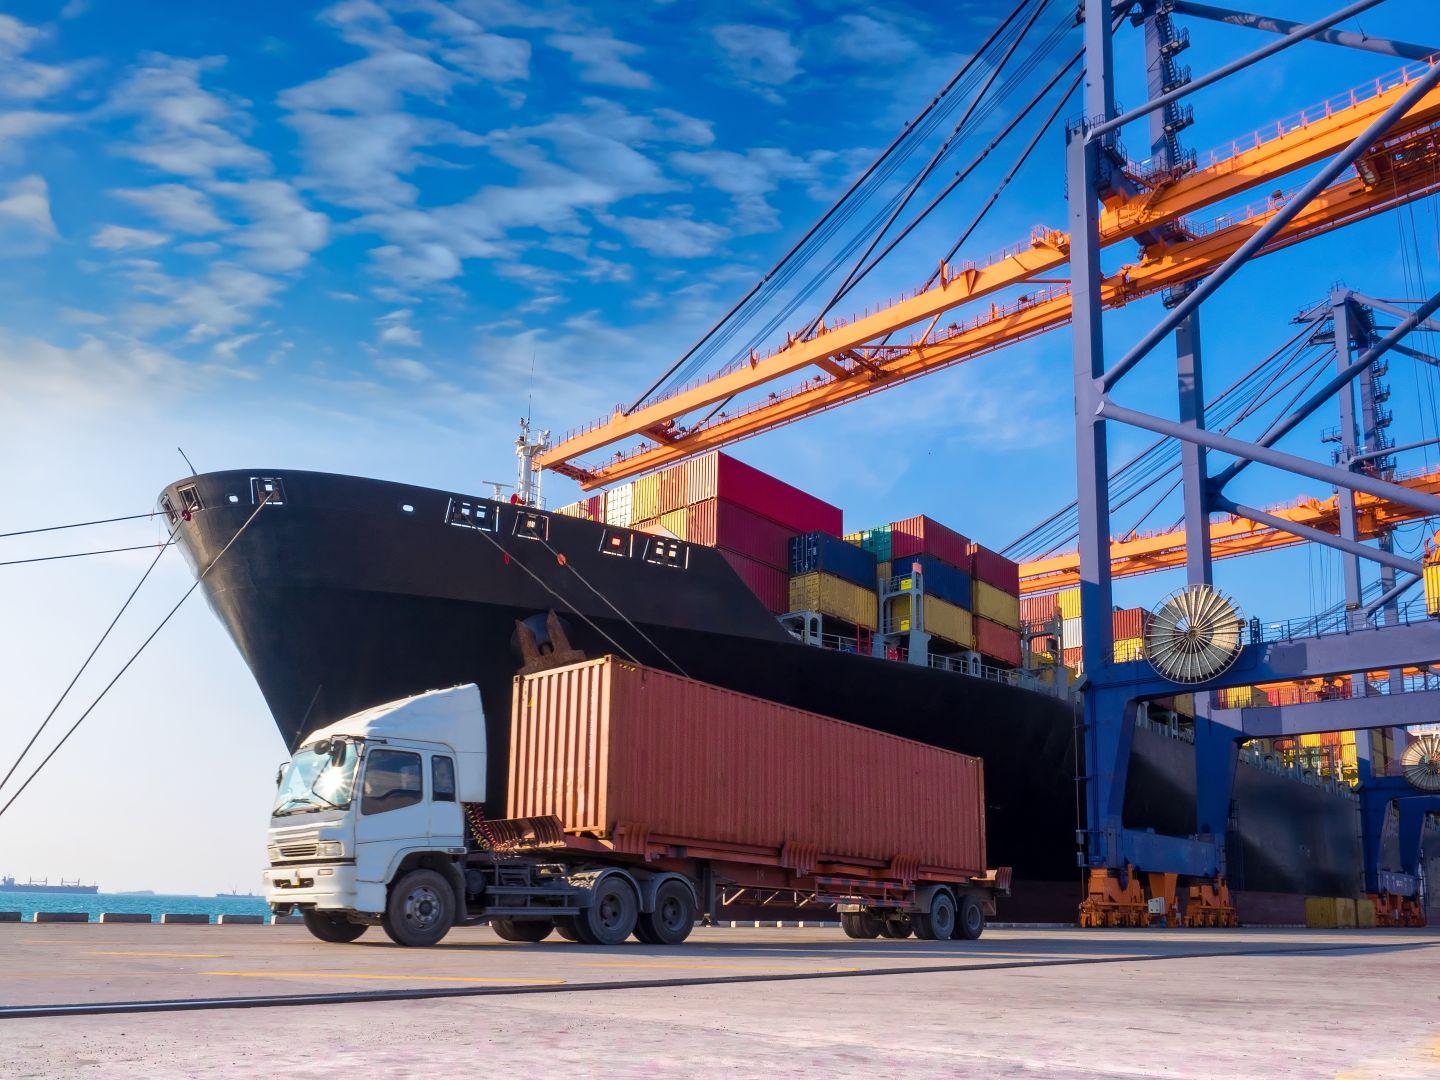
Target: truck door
447,825
393,810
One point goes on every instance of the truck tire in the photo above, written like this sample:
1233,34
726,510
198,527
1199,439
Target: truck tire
898,927
970,922
611,914
673,918
937,924
420,910
328,927
566,926
529,930
860,925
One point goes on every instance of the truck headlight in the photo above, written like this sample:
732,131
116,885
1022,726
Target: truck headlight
330,849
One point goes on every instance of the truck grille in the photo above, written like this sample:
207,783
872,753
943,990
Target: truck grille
298,851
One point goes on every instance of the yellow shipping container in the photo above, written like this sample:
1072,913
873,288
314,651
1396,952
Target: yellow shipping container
1432,588
1069,600
943,620
645,497
882,571
996,605
1127,649
1320,912
1365,914
835,596
676,523
1344,913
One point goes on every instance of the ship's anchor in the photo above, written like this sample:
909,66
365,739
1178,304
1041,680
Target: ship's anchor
554,651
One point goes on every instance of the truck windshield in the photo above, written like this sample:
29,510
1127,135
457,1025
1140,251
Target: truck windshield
314,781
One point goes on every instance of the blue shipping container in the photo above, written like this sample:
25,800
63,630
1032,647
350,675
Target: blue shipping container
817,551
940,578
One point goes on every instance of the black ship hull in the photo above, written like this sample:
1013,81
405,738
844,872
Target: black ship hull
344,593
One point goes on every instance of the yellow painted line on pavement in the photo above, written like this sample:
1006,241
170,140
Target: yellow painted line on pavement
193,955
379,977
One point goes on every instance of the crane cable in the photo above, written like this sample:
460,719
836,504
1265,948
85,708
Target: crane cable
836,205
81,671
136,654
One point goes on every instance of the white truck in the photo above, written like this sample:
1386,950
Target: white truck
378,818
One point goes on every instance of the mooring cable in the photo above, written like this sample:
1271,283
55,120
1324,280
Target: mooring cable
136,654
77,525
82,554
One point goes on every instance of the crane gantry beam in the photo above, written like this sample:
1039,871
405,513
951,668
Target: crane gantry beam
852,366
1230,536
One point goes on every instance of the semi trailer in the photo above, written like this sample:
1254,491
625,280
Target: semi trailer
638,802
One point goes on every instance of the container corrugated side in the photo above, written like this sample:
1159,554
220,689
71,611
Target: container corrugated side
836,597
645,491
939,578
1069,601
997,606
828,554
620,506
997,642
672,489
943,620
1039,610
719,476
994,569
720,523
1127,649
770,585
876,541
925,536
606,744
1432,588
677,523
1128,622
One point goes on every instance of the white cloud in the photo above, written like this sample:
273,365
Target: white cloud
375,84
760,57
181,127
206,308
748,177
25,209
176,206
395,329
413,370
869,40
675,236
281,232
602,59
122,238
97,374
28,80
26,124
199,247
226,350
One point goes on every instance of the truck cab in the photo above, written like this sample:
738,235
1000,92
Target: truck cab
369,798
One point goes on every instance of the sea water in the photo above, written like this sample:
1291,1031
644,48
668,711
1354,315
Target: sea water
27,903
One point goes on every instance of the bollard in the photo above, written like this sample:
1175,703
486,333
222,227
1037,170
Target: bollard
184,917
61,916
124,917
241,920
9,916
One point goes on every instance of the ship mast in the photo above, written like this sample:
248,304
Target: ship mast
527,448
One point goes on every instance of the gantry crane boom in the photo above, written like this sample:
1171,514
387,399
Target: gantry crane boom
1231,536
852,366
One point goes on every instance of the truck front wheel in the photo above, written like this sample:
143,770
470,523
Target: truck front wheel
421,909
336,928
673,918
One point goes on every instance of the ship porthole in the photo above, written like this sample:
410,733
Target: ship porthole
407,508
235,498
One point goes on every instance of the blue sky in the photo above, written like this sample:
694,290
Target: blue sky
367,236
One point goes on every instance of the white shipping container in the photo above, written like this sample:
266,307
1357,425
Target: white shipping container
620,507
1070,633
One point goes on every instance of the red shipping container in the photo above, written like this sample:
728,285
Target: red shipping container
925,536
1039,610
1129,623
1074,658
770,585
718,476
994,569
720,523
606,745
996,642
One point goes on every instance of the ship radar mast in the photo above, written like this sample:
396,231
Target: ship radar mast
527,448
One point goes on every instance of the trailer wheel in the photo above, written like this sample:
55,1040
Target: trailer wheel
567,926
530,930
860,925
673,918
897,928
970,923
420,910
334,928
939,922
610,917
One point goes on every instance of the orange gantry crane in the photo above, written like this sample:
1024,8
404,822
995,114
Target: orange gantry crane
1230,536
843,361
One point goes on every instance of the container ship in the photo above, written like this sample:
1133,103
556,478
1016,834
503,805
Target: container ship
342,593
9,884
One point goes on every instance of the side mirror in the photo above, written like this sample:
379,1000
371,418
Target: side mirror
280,773
337,752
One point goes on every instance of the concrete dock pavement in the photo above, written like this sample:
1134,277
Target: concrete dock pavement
736,1002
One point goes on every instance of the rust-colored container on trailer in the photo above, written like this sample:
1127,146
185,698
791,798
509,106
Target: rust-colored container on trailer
608,746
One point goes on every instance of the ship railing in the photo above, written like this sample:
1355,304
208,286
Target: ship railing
1331,623
959,665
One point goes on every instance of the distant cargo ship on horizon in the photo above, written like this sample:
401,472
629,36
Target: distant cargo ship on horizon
9,884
